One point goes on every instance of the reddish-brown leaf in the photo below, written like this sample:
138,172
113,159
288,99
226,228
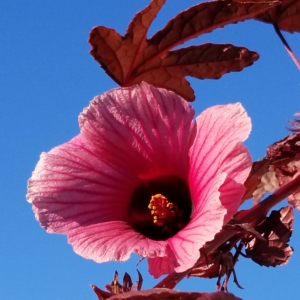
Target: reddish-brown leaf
277,229
101,295
131,59
168,294
286,16
115,288
215,265
140,281
204,61
244,228
127,283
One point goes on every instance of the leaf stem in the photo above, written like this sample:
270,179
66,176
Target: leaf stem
286,45
247,216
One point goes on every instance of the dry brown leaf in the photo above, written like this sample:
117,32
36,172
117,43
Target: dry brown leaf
133,58
285,159
294,200
259,168
278,168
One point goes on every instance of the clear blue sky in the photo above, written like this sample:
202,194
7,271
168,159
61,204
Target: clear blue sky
47,77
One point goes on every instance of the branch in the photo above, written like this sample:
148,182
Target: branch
247,216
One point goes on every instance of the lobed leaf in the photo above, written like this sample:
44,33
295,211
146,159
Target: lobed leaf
204,61
132,59
286,16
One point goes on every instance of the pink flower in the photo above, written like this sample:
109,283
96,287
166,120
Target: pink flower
136,144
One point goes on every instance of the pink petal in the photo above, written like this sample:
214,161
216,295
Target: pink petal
141,128
218,149
113,241
205,223
72,187
163,265
79,187
219,165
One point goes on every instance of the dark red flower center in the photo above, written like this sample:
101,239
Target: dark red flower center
159,208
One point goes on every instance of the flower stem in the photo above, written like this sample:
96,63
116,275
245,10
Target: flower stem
247,216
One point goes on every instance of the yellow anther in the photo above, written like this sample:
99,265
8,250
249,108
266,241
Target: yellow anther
170,205
161,209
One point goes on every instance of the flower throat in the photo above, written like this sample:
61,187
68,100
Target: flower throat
161,207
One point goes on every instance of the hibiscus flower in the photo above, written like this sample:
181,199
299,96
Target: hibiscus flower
143,176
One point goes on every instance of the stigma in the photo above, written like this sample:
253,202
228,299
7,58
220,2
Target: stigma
162,210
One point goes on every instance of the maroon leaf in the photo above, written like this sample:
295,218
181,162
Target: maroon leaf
115,288
140,281
277,229
286,16
99,293
131,59
211,267
127,283
217,264
168,294
204,61
245,228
